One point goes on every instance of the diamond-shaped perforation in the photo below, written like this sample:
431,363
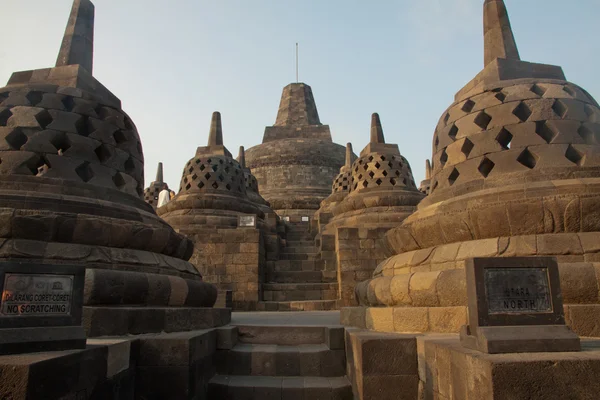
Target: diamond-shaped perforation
40,167
588,136
452,177
16,139
207,176
545,131
34,98
118,180
393,181
560,108
215,185
129,165
528,159
468,106
446,118
485,167
522,111
44,118
500,96
379,182
575,156
537,89
120,137
453,132
444,157
504,138
85,172
61,143
83,126
5,115
467,147
436,142
482,120
69,103
589,112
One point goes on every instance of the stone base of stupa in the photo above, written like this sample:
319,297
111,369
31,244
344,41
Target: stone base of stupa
425,290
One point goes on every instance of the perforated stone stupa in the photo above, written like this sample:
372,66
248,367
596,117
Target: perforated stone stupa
339,190
151,192
515,173
71,185
213,192
382,190
297,160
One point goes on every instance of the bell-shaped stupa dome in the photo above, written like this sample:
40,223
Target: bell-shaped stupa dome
71,186
382,188
515,171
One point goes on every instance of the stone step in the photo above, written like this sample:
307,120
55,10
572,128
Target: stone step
299,250
281,360
224,387
297,277
299,236
294,256
296,243
332,336
299,291
307,305
296,265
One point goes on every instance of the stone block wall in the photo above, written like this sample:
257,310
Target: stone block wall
233,259
358,252
382,366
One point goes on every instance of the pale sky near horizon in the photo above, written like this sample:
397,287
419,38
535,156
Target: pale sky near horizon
172,63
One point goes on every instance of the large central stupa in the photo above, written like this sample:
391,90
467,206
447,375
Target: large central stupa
297,160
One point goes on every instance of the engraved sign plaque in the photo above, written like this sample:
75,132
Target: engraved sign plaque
515,306
247,221
41,307
36,295
517,290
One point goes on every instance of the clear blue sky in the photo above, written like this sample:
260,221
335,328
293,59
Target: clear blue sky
174,62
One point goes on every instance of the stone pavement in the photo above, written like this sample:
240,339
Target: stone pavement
312,318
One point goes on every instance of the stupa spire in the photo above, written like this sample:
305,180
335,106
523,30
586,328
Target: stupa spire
499,41
215,137
427,169
349,155
78,43
159,173
376,129
297,107
242,157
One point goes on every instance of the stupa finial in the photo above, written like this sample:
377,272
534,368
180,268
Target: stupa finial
349,155
159,173
78,43
376,129
242,157
427,169
499,41
216,130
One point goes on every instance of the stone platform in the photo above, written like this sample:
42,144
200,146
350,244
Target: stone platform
452,372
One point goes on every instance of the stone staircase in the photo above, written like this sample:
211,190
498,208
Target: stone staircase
280,362
297,281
